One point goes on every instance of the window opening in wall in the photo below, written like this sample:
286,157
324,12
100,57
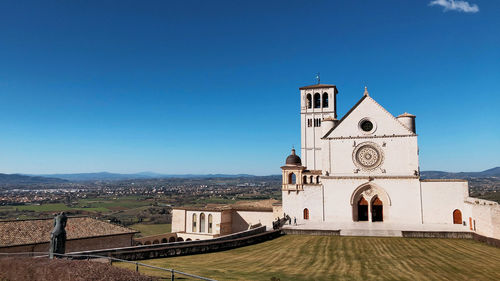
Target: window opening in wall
309,101
317,100
292,178
304,179
194,222
362,209
377,209
457,217
202,222
210,223
317,122
306,214
309,122
325,99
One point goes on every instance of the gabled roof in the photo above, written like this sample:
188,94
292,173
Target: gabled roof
366,96
21,232
345,116
318,86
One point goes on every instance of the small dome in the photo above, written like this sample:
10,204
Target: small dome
293,159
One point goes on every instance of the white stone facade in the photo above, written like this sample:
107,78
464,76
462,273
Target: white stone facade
209,222
364,169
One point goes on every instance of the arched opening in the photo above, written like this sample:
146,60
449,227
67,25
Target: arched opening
180,239
317,179
306,214
377,209
457,217
325,99
138,244
189,239
362,209
156,242
292,179
202,222
147,243
317,100
311,179
171,239
164,240
210,223
309,101
304,179
194,223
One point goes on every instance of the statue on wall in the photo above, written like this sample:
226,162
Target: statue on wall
58,235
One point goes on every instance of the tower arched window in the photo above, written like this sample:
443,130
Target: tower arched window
194,222
304,179
309,101
292,178
325,99
317,100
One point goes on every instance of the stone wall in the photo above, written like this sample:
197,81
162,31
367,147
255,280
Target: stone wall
437,234
243,238
73,245
156,239
319,232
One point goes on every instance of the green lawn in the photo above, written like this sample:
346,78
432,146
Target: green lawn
151,229
89,205
294,257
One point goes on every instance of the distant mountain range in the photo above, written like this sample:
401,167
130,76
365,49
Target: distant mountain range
19,179
105,176
494,172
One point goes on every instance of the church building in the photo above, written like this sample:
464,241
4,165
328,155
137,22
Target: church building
362,172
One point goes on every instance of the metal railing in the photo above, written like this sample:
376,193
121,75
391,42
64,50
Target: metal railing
172,271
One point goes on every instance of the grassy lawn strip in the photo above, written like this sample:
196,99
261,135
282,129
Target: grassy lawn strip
151,229
296,257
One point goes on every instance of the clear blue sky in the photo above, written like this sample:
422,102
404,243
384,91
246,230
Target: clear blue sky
212,87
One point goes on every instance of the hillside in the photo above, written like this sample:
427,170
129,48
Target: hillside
17,179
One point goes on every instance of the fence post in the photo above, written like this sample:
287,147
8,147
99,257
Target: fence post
173,278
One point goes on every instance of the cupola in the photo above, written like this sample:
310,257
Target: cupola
293,159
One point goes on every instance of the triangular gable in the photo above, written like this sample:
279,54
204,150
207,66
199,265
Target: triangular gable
386,124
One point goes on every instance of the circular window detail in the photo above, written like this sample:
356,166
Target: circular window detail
368,156
367,126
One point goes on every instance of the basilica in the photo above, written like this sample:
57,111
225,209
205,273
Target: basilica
357,176
362,172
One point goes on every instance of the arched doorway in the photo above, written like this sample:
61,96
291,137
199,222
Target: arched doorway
457,217
362,209
377,209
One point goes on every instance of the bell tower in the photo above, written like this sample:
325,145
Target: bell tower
318,102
